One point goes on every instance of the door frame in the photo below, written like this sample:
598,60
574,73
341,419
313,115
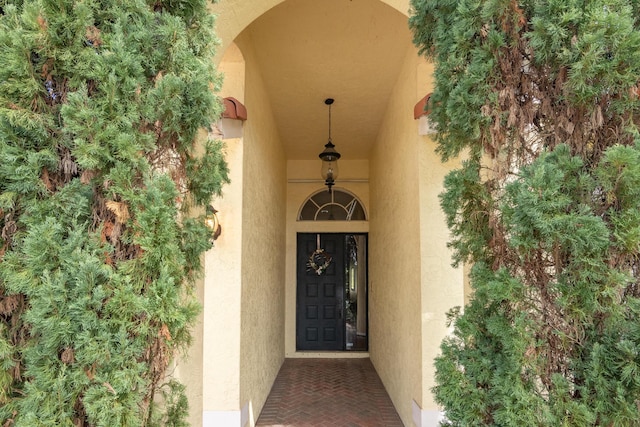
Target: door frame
290,279
340,290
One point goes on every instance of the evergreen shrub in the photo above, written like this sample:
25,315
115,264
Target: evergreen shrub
102,176
541,100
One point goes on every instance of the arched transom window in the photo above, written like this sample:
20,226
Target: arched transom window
339,205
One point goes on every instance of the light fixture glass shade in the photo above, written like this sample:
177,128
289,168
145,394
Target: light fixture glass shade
329,169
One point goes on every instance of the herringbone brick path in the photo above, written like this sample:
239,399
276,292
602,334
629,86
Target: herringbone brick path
328,392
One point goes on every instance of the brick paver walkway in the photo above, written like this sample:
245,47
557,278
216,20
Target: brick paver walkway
328,392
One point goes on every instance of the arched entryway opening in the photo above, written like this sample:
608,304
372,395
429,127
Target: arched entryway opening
281,60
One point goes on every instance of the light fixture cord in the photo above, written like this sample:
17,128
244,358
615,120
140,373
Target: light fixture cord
329,122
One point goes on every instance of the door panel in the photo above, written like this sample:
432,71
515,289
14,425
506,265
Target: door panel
320,298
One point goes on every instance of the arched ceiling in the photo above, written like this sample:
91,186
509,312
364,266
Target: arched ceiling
310,50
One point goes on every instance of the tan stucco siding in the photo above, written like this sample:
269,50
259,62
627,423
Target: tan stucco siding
215,356
442,285
221,304
263,244
246,11
395,266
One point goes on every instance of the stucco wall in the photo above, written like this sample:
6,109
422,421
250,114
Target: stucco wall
245,12
395,264
221,331
263,244
442,285
412,284
219,360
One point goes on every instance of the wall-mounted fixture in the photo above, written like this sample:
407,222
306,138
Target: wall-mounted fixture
212,222
421,113
329,156
231,123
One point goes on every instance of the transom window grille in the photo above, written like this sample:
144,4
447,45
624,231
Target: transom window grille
339,205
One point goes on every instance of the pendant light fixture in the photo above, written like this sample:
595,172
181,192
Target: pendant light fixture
329,156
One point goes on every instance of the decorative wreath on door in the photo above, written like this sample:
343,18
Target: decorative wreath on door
319,260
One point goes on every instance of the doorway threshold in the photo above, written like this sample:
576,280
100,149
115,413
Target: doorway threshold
328,355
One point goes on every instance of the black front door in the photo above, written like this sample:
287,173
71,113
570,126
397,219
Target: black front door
320,294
